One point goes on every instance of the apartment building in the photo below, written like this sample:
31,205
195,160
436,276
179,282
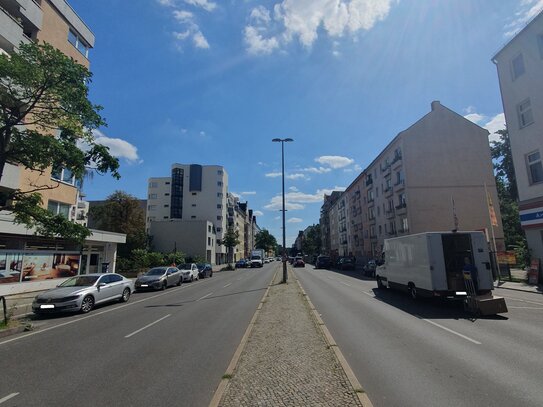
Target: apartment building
24,257
329,201
520,71
432,176
192,192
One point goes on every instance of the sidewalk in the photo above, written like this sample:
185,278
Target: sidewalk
508,285
286,360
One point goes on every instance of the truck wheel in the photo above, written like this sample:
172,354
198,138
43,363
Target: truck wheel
380,284
413,292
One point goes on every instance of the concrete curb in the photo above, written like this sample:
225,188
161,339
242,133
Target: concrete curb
362,396
223,385
520,290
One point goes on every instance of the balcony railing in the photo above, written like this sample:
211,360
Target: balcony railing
369,182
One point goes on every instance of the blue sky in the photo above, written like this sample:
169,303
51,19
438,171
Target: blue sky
213,82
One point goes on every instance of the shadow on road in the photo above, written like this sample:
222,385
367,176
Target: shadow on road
179,304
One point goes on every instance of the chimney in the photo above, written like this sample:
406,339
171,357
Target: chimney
435,104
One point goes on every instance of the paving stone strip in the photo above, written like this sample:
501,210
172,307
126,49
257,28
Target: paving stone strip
287,361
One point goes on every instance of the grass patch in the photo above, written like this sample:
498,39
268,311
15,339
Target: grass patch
227,376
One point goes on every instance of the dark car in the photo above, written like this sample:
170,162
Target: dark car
298,262
242,264
204,270
159,278
323,262
346,263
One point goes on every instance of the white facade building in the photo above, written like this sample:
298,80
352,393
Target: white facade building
192,192
520,71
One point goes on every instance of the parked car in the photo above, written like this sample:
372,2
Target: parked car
159,278
189,271
298,262
369,268
242,264
323,262
82,293
204,270
346,263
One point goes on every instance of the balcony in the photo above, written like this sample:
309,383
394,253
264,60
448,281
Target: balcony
385,170
12,30
401,209
396,162
369,182
392,233
399,186
388,192
390,214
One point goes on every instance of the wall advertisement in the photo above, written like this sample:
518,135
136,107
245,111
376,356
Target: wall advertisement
23,267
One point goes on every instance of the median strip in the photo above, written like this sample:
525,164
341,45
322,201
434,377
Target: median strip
147,326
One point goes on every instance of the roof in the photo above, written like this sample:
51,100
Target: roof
528,24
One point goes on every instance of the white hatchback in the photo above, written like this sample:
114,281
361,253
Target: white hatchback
189,271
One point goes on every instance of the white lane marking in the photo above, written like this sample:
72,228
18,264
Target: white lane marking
205,296
95,314
518,299
368,294
467,338
224,286
348,285
525,307
8,397
147,326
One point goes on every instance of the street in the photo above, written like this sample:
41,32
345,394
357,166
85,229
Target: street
431,353
160,349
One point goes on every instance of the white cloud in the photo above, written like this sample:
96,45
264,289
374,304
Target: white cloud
166,3
278,218
258,213
249,193
118,147
273,174
200,41
334,161
325,191
492,124
205,4
257,44
528,10
183,16
293,189
276,203
295,220
297,176
302,20
315,170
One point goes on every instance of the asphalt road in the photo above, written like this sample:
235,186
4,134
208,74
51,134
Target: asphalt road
165,348
428,352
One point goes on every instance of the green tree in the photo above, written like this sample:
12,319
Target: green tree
311,244
46,120
122,213
506,185
230,240
266,241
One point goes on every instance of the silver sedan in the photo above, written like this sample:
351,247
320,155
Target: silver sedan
82,293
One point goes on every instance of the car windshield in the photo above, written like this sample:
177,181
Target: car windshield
157,271
186,266
201,266
80,281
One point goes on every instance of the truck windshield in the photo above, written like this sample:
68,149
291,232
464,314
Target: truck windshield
255,257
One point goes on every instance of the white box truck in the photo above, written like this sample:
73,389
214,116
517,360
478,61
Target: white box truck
431,264
257,258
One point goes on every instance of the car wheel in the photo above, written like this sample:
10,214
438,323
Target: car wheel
164,285
180,281
211,275
87,304
380,284
191,279
126,295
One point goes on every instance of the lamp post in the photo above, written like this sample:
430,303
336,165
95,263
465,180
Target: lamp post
282,141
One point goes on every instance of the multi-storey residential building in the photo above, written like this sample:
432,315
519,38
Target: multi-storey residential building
430,174
193,192
25,257
520,72
329,201
240,220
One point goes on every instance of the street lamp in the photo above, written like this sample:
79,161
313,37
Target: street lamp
282,141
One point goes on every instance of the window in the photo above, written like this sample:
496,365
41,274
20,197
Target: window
167,183
151,207
370,195
78,42
167,194
219,172
540,44
219,206
193,205
535,167
219,230
209,241
219,183
194,193
166,217
193,217
219,217
152,196
58,208
525,116
63,175
166,206
153,184
209,228
517,66
405,225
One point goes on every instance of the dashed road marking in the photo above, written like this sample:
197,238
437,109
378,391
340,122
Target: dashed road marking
147,326
205,296
467,338
8,397
229,284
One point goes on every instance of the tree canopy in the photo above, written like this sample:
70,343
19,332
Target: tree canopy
46,120
311,244
265,240
230,240
122,213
